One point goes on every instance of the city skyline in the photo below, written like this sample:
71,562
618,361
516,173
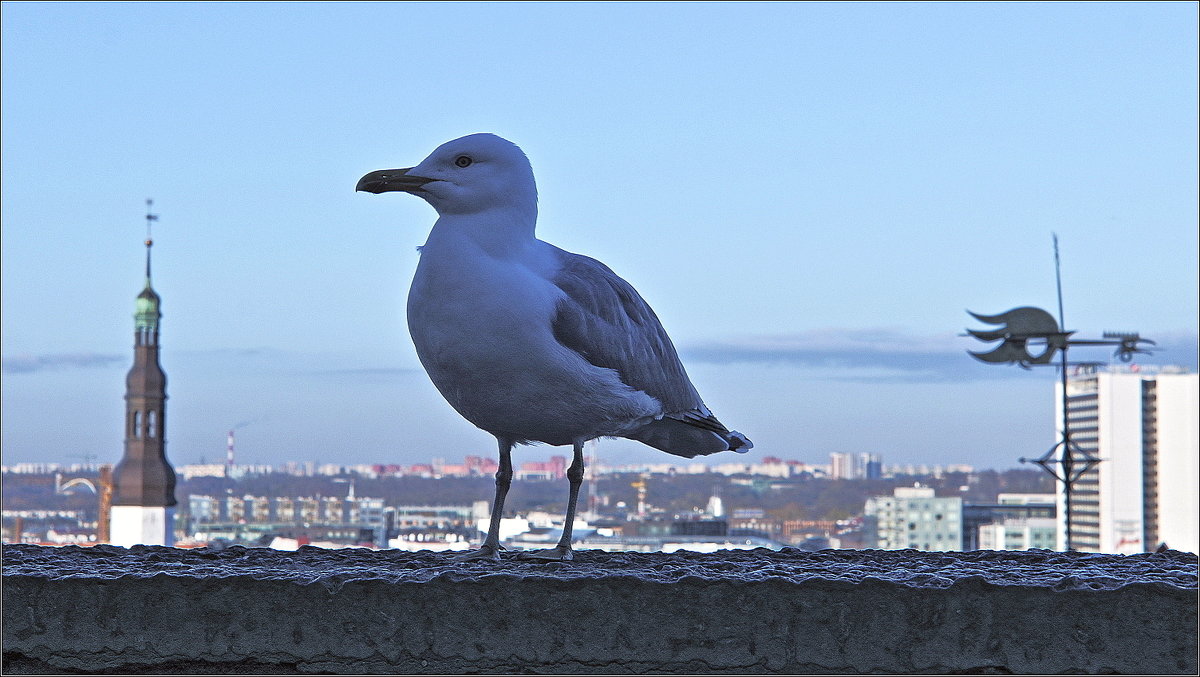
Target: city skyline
765,498
810,229
485,467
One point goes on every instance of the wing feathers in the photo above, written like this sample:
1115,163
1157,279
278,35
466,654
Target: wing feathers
604,320
699,419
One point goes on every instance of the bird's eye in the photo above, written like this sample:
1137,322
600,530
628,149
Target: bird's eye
463,161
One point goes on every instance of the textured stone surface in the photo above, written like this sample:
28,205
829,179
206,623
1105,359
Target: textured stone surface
152,609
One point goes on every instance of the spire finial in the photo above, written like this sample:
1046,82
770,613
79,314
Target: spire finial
150,218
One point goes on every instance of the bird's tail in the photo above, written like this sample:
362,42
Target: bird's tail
738,442
691,434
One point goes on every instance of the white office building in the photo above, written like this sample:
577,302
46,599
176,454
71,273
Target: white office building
1142,423
913,517
1019,533
844,466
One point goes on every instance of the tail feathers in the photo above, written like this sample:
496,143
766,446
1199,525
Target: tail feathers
704,419
690,435
738,442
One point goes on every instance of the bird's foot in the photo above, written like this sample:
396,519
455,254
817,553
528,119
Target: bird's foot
556,554
485,551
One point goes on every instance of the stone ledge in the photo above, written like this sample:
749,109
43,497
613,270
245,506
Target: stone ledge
164,610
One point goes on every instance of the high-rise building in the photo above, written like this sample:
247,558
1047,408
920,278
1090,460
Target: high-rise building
143,482
1142,423
913,517
871,466
844,466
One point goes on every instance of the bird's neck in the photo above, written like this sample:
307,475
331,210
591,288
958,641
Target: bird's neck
501,233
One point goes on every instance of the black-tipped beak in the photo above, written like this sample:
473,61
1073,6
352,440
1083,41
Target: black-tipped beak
387,180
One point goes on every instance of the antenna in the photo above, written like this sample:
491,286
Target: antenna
1072,469
1058,283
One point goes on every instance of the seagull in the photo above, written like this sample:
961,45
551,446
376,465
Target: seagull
530,342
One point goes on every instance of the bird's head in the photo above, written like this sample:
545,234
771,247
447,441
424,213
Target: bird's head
471,174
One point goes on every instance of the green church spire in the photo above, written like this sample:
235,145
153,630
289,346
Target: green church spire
146,311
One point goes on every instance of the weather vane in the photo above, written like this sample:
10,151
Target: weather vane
150,218
1026,327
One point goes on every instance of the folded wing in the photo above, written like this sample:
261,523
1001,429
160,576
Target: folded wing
605,321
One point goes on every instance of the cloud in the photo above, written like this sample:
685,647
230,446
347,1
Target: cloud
26,364
1175,347
371,371
881,354
374,375
854,354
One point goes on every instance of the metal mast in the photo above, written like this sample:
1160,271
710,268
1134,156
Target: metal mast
1025,324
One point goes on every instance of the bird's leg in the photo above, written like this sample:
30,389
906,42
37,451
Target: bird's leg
562,552
491,545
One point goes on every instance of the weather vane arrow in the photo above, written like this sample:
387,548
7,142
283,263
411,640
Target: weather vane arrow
1020,326
1028,325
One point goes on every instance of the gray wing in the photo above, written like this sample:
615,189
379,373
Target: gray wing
607,322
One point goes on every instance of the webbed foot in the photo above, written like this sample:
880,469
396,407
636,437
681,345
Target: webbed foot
485,551
556,554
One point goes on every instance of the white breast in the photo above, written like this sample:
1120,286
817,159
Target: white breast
466,305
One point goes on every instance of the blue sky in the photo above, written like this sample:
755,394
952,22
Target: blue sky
809,195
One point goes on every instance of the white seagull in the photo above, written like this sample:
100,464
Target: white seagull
530,342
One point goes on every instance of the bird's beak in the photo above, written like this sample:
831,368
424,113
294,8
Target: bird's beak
387,180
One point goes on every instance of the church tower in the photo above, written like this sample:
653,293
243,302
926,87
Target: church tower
143,498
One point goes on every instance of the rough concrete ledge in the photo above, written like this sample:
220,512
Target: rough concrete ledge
251,610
